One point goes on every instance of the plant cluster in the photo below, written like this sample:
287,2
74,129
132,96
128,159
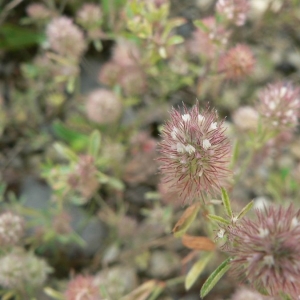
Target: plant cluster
121,118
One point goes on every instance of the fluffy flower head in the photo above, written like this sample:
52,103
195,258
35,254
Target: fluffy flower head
267,251
82,288
237,63
103,106
11,229
195,153
234,10
279,106
65,37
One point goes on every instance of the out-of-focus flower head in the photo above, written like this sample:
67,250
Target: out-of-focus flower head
279,105
234,10
20,269
195,153
103,106
266,251
65,37
38,12
244,293
237,63
89,16
83,288
126,53
246,118
84,178
209,40
11,229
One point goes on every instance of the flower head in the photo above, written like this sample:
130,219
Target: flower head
234,10
19,269
82,288
279,106
195,153
103,106
11,229
245,118
65,37
208,42
38,11
267,251
244,293
89,16
237,63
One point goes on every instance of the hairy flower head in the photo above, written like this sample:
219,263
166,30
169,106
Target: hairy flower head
266,251
279,105
234,10
65,37
11,229
195,153
82,288
237,63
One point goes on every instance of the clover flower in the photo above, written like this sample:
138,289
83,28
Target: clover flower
11,229
279,105
89,16
234,10
266,251
65,37
237,63
82,288
38,11
244,293
195,153
208,42
245,118
103,106
20,269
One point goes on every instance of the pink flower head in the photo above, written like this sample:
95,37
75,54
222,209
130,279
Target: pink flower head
267,251
89,16
83,288
237,63
65,37
195,153
279,106
234,10
208,41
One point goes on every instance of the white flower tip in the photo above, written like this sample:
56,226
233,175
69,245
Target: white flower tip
206,144
186,117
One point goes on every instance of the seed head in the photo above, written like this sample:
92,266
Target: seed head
237,63
195,153
267,251
82,288
11,229
279,106
103,106
234,10
65,37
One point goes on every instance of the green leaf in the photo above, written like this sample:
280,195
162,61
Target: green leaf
201,25
245,210
53,294
175,40
15,37
214,277
226,202
197,269
94,144
77,140
65,152
218,219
